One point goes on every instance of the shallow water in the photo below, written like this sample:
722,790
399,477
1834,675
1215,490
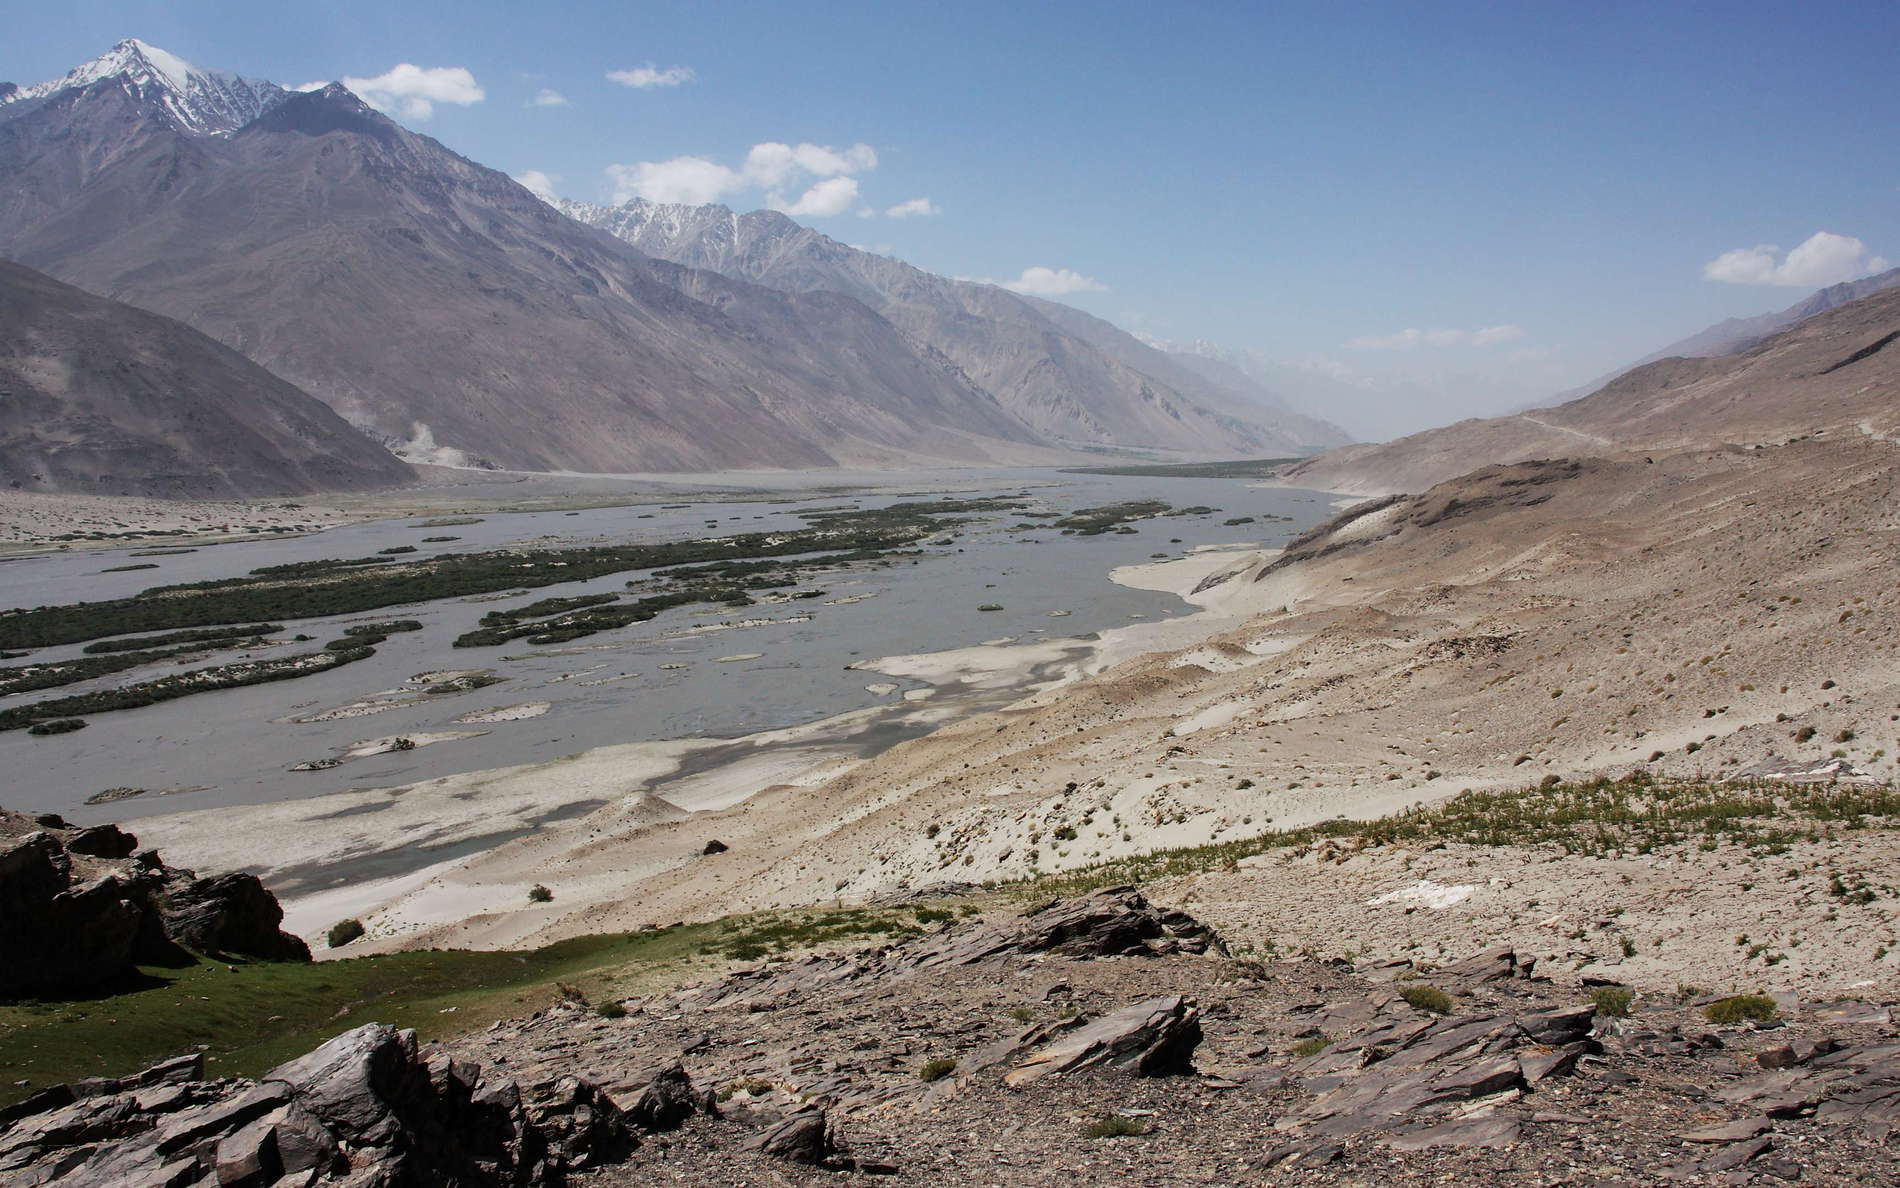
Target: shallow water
235,747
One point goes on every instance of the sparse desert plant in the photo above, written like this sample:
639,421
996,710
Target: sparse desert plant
936,1070
1115,1126
343,932
611,1009
1021,1014
1427,998
539,894
1310,1046
1612,1001
1741,1008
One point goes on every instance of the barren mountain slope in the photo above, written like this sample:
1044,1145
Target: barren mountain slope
1073,377
102,398
436,301
1713,611
1836,372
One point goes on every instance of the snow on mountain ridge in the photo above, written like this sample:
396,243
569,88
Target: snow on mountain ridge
208,102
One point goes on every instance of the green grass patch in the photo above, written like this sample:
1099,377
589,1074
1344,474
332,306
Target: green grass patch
1612,1001
1427,998
1600,817
1741,1008
1115,1126
253,1016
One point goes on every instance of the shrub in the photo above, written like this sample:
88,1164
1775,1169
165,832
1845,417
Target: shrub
539,894
611,1010
1741,1008
1115,1126
1311,1046
1427,998
1612,1001
57,726
936,1070
344,931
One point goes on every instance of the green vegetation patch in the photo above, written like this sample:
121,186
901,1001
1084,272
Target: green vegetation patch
1426,998
210,635
183,684
313,589
1638,814
1741,1008
254,1016
1093,521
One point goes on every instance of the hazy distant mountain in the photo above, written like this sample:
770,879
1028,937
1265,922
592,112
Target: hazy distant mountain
1734,335
1834,372
102,398
442,305
1070,376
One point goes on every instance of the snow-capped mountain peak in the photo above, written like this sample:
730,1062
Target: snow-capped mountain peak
208,102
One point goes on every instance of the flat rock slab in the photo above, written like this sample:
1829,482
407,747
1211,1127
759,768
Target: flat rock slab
1147,1039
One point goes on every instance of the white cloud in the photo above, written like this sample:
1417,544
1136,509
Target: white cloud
1492,334
1413,337
694,181
548,97
540,184
833,196
648,77
914,208
770,166
1038,281
772,163
413,91
1824,259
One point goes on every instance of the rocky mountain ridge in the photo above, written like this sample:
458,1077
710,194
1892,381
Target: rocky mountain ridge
1073,377
1830,373
440,305
162,84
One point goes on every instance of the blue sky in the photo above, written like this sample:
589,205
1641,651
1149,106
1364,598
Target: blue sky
1536,190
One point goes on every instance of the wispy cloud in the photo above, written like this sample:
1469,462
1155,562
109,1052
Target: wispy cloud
651,77
540,184
914,208
1824,258
547,97
1413,337
412,92
1037,281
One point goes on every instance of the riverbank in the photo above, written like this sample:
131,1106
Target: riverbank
450,860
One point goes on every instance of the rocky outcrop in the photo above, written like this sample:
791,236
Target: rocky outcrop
367,1108
77,913
1149,1039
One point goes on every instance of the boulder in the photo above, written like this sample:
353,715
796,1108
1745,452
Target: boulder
78,911
1148,1039
366,1108
804,1137
103,841
231,913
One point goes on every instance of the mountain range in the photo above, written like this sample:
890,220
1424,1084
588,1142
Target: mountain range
446,311
1830,375
1073,378
100,397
